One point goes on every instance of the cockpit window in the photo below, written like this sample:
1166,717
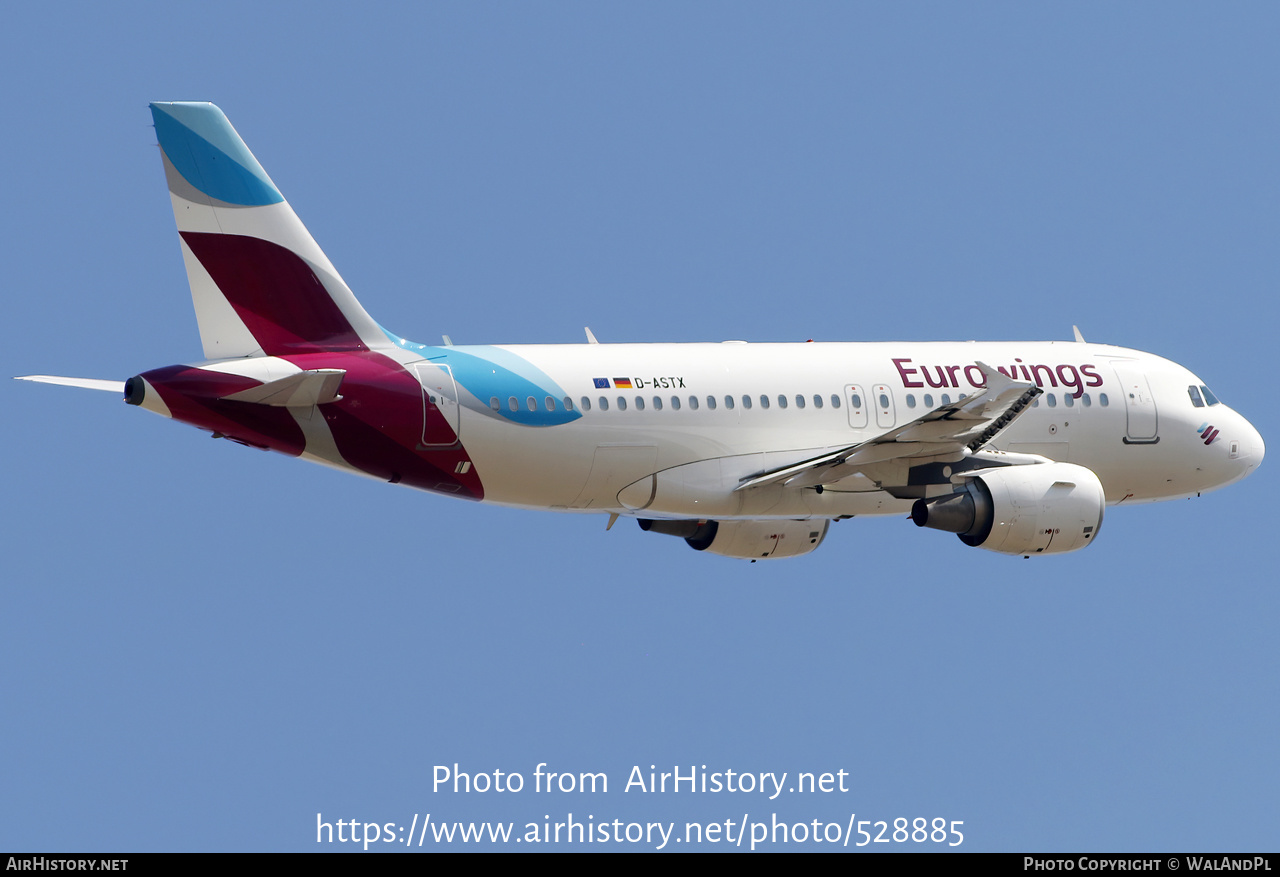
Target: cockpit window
1208,397
1194,392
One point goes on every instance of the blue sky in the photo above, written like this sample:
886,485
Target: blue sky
205,646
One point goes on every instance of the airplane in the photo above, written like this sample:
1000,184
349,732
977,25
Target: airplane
745,450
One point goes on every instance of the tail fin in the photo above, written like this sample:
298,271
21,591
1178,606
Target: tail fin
260,283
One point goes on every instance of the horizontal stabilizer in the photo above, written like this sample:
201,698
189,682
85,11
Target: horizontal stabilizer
87,383
303,390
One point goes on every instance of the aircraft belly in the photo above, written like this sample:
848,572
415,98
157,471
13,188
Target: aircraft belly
1057,451
706,489
540,471
570,467
697,490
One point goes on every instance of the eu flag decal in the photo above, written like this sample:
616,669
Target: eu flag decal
601,383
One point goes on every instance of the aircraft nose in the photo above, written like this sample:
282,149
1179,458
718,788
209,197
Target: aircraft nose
1251,449
1259,447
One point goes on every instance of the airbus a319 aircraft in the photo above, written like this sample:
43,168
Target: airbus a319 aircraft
744,450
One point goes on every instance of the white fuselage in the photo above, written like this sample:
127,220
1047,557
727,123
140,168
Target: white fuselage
1123,414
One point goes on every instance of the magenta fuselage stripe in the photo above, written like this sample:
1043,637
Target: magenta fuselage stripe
275,293
193,396
377,424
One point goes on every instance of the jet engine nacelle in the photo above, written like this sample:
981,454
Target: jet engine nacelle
750,540
1044,508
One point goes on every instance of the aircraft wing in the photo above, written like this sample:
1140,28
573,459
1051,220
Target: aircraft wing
966,424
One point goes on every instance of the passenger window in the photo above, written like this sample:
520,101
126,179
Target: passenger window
512,404
855,400
911,400
1102,400
1069,400
675,403
549,403
799,401
782,401
657,403
746,401
946,399
928,400
1194,392
531,403
835,401
711,403
693,403
728,402
1035,403
817,400
764,401
586,403
639,403
568,404
604,404
1086,400
494,403
622,403
884,400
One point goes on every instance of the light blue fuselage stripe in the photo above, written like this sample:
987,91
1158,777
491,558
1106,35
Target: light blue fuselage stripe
492,373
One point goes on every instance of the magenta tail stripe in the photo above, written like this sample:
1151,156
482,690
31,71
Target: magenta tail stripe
276,294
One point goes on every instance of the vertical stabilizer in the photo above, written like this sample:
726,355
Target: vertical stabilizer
260,283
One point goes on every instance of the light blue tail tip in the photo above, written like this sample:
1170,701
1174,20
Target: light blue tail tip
201,144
